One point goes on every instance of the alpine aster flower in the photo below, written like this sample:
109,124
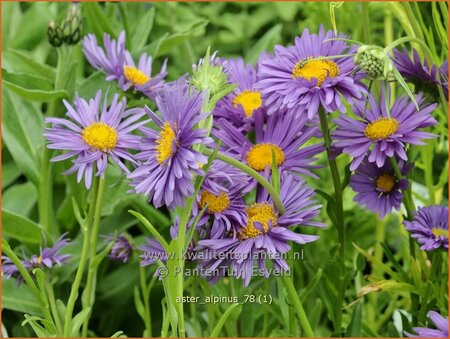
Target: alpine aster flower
167,154
381,134
378,188
298,80
95,134
424,77
240,107
266,234
47,259
439,321
281,134
122,248
430,227
117,63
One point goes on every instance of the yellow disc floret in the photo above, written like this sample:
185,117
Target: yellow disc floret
135,76
439,232
100,136
319,69
260,156
262,213
249,100
164,144
216,203
385,182
381,129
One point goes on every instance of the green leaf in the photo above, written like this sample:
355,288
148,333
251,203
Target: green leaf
22,128
265,43
19,298
20,198
354,328
216,331
20,228
138,303
77,321
21,62
32,87
97,19
286,10
10,173
142,29
40,331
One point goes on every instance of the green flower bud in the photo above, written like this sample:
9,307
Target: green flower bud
374,61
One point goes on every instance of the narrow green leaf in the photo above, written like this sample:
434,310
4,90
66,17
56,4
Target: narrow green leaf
19,298
77,321
22,127
20,198
138,303
215,333
20,228
151,228
21,62
97,19
32,87
142,29
10,172
354,328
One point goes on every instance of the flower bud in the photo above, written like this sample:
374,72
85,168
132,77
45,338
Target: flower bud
374,62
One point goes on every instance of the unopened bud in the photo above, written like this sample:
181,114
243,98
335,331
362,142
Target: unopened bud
374,61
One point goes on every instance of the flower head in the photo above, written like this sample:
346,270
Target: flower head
167,153
240,106
298,78
282,136
430,227
423,76
381,134
47,259
266,234
122,248
95,134
439,321
118,64
374,61
378,188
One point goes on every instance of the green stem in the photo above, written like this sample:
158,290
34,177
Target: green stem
146,296
339,212
52,300
92,272
82,264
366,22
250,171
304,322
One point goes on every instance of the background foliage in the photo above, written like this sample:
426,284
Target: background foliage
32,86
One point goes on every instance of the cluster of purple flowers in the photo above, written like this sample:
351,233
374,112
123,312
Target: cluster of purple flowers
269,119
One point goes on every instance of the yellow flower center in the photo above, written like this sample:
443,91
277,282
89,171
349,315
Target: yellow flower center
100,136
249,101
135,76
381,129
216,203
439,231
39,260
260,156
385,182
165,143
319,69
262,213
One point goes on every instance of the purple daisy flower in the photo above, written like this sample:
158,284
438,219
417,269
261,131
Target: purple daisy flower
117,63
297,80
282,134
122,248
94,135
47,259
443,75
381,134
168,158
430,227
439,321
378,188
423,76
266,234
240,107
